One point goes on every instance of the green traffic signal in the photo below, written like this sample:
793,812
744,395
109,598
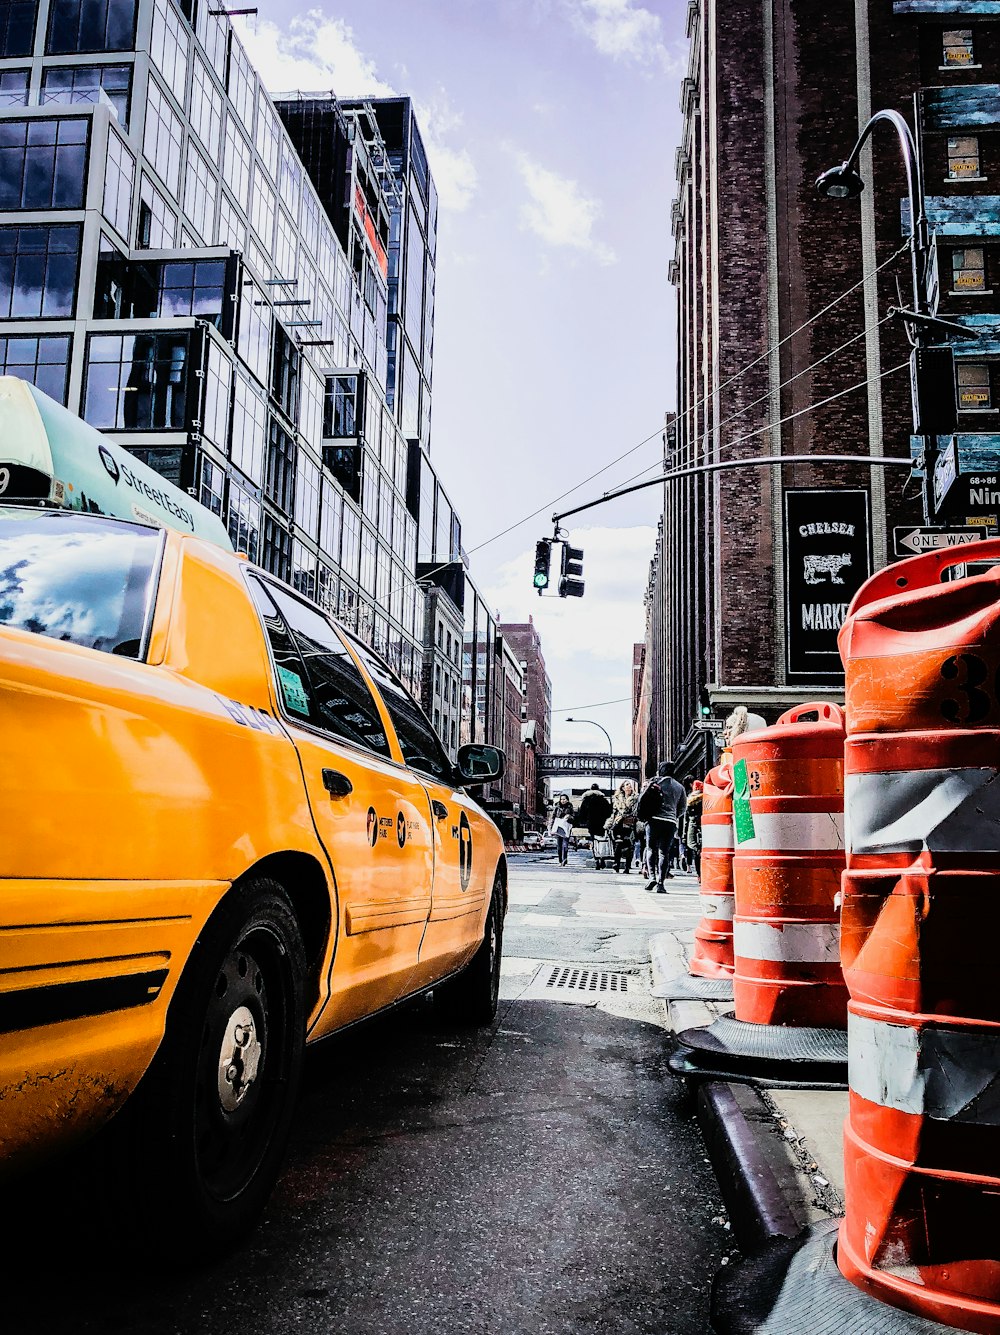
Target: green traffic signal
543,558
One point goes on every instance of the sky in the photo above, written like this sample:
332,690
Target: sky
551,127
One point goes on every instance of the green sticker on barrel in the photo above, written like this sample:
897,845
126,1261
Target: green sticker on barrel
742,815
292,689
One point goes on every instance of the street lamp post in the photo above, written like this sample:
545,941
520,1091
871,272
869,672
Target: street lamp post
611,749
932,366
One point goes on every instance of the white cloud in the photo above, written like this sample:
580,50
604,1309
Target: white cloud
622,30
453,169
558,212
315,53
587,642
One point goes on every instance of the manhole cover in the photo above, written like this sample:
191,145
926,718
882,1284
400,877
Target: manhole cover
586,980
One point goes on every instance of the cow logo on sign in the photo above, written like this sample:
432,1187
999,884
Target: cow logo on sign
464,851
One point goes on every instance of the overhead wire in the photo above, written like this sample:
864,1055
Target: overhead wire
657,434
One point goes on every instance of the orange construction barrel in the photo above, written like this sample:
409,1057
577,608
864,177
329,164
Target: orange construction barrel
921,926
789,857
712,956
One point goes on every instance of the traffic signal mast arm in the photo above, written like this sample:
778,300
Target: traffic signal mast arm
761,461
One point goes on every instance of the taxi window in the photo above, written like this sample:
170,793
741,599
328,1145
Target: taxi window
417,739
316,676
80,578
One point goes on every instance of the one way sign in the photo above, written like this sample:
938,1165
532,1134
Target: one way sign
910,540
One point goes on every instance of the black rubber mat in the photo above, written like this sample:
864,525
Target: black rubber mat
685,987
792,1287
698,1066
729,1037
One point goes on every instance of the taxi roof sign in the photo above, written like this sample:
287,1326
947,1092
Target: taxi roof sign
47,454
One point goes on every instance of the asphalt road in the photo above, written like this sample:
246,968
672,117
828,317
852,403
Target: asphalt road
543,1177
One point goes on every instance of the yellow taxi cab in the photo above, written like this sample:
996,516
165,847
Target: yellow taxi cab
228,830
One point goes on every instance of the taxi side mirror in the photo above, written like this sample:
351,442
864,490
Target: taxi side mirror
480,764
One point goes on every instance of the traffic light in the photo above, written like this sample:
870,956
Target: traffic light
706,704
571,581
543,558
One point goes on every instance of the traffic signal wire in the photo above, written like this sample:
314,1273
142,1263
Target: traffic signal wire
691,446
658,433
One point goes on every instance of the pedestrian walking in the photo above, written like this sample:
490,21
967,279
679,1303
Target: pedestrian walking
594,811
661,805
621,824
692,825
561,825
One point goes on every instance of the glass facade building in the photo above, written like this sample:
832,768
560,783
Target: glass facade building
256,325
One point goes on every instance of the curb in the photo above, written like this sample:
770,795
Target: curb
754,1199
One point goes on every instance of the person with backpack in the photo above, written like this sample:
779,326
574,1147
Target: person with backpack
661,806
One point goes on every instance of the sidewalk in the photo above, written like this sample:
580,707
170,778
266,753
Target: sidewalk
777,1153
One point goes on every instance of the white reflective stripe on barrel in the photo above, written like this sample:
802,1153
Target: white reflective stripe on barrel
719,907
904,811
796,942
935,1071
802,831
716,836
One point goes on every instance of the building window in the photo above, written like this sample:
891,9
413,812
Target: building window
307,479
285,251
168,47
43,362
213,486
90,25
218,378
162,138
119,179
956,48
244,520
42,163
968,270
279,478
137,382
157,225
14,88
17,27
240,84
290,183
341,407
285,373
249,427
200,192
268,135
974,387
192,287
236,164
963,159
38,267
254,341
77,85
206,108
262,209
231,231
276,549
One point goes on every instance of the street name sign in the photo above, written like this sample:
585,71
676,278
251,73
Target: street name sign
911,540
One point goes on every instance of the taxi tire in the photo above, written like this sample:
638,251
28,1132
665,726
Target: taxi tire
473,997
177,1111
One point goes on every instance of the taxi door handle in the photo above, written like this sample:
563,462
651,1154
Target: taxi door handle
439,809
337,784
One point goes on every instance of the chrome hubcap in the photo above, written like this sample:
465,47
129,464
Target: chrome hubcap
239,1058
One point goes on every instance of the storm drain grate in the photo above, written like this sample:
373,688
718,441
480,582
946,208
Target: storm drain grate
587,980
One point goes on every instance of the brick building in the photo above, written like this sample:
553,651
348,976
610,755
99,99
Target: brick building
526,645
774,358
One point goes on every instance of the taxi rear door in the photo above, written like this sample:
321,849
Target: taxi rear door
463,879
371,814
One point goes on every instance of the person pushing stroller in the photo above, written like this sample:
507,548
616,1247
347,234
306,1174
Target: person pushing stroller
621,824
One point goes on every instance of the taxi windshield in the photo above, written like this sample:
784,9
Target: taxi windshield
79,578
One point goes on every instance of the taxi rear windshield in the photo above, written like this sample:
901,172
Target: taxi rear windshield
79,578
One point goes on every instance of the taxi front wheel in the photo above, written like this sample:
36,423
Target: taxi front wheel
472,998
212,1116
